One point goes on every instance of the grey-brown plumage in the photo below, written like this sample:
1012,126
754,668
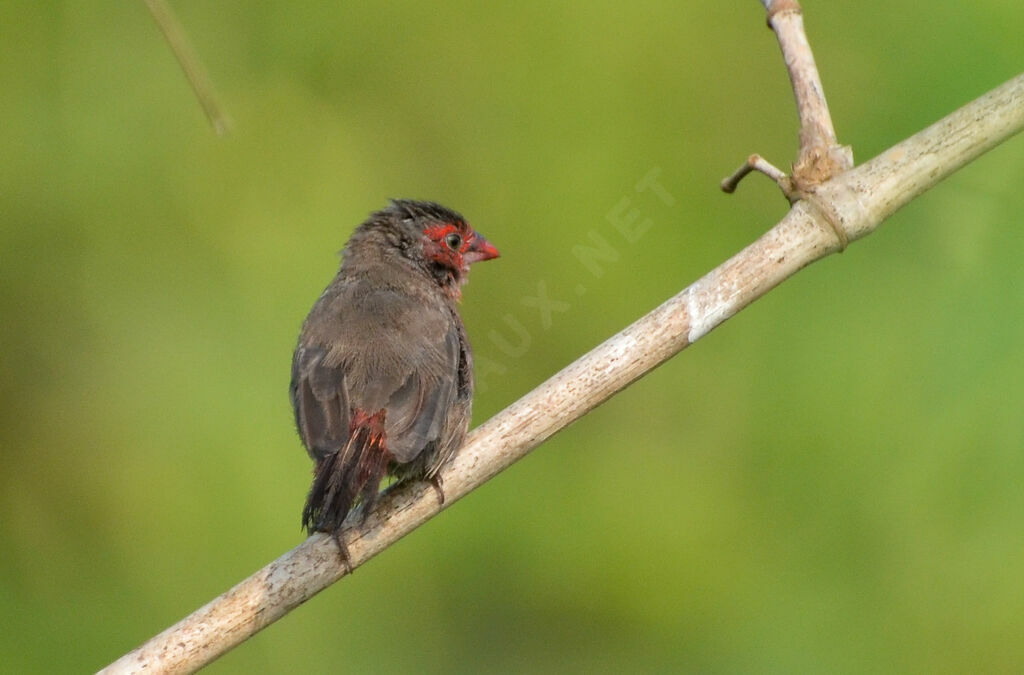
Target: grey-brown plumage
382,375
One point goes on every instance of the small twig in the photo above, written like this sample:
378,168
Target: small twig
820,156
190,64
759,163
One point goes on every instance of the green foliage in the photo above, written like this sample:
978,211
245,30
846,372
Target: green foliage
828,483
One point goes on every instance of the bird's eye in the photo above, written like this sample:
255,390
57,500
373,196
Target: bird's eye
453,241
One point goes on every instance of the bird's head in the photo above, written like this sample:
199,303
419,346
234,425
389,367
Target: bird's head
448,245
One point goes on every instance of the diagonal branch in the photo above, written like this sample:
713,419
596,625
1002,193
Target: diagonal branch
854,202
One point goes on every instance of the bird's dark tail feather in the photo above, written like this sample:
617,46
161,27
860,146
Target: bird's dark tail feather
350,474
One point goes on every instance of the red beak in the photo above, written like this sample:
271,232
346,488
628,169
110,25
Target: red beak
479,249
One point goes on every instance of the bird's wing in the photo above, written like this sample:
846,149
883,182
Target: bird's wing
418,408
373,349
320,398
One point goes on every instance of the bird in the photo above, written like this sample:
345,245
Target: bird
382,375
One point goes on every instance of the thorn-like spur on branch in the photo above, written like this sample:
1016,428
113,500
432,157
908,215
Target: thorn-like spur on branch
759,163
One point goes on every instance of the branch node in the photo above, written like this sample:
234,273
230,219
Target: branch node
829,215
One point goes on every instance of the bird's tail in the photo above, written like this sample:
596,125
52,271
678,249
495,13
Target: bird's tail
351,473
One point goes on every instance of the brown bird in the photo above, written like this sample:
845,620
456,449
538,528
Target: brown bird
382,377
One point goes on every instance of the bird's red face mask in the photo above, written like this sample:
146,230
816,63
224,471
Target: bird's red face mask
456,246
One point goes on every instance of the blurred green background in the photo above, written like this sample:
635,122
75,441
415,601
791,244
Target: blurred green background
830,482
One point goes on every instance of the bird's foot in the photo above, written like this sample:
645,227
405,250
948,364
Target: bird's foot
438,485
346,560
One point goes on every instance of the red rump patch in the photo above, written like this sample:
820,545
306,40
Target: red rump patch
371,425
374,459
